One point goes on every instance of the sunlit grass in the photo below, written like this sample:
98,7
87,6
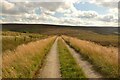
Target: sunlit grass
102,39
10,40
24,61
104,59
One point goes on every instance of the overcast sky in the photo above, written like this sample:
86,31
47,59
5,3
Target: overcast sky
62,12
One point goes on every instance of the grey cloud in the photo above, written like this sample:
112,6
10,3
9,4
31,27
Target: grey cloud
17,8
108,18
22,7
52,6
88,14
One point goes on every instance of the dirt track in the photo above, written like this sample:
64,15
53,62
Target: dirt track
86,66
51,66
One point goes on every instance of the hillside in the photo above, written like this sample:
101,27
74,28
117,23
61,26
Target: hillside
57,29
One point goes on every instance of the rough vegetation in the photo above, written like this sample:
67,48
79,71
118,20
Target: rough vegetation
104,59
24,61
10,39
105,36
25,46
69,67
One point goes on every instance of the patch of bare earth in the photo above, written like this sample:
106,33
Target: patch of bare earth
51,66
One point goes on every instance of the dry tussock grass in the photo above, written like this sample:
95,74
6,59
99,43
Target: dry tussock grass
24,60
105,59
11,40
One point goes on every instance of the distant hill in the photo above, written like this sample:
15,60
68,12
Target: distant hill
57,29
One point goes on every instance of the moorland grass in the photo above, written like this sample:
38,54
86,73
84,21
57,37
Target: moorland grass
104,36
104,59
102,39
69,68
25,60
10,40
